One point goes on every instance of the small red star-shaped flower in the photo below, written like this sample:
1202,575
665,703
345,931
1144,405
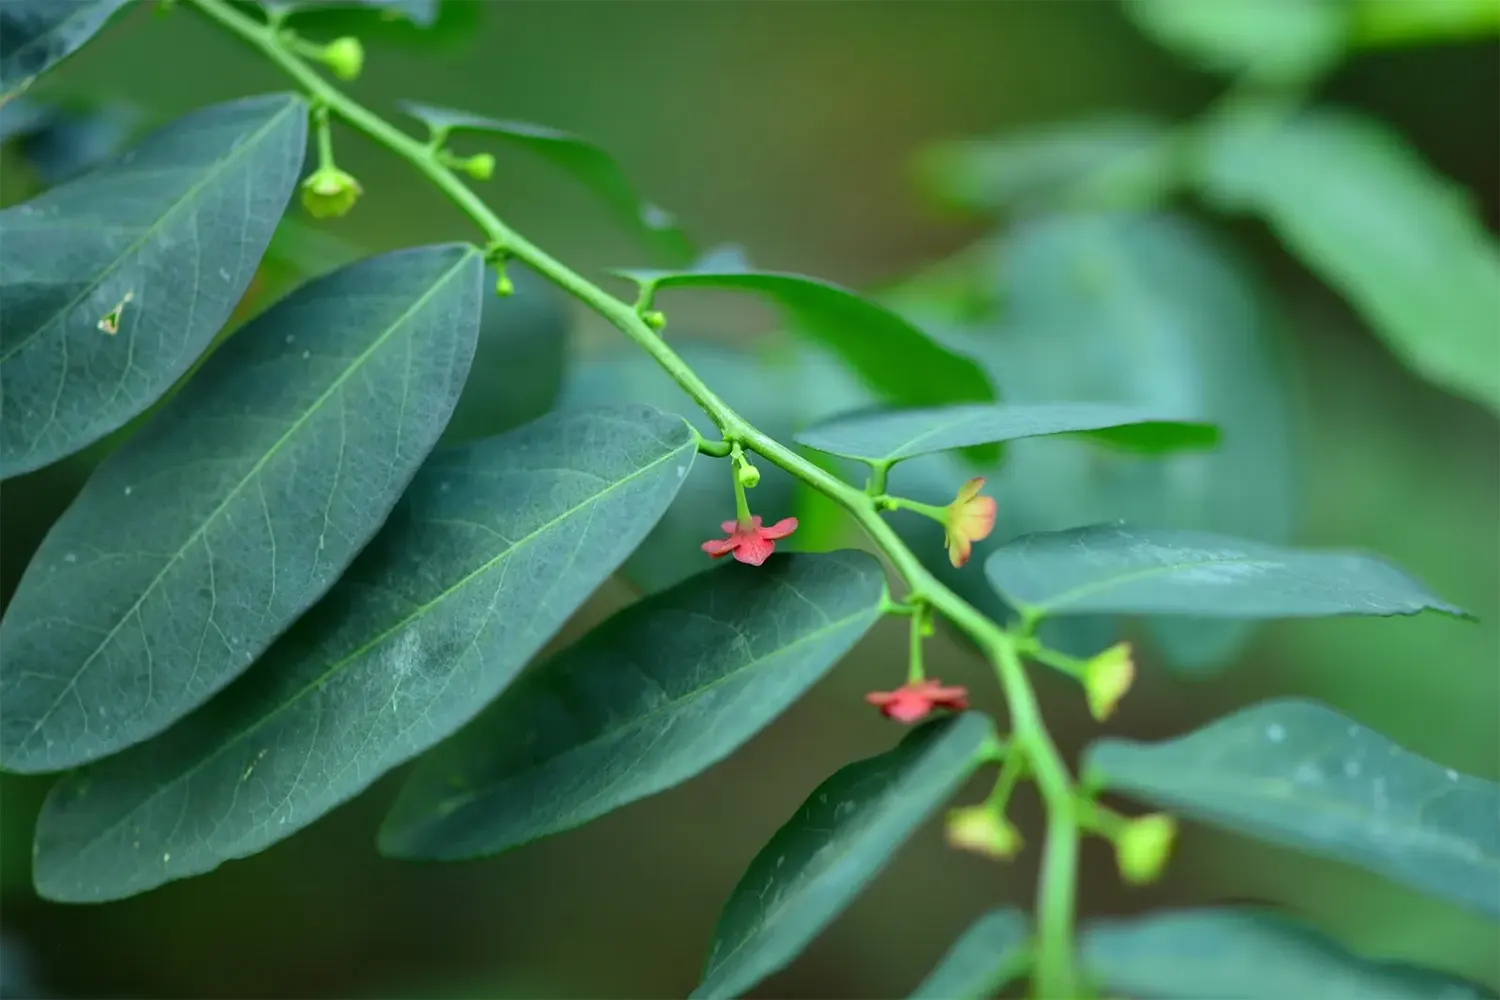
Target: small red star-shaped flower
750,543
915,699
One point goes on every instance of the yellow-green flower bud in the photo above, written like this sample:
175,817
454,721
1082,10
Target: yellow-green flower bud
345,56
328,192
1107,678
1143,846
654,319
748,474
982,830
481,166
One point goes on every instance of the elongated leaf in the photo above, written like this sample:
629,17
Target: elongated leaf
495,544
661,692
35,35
841,838
235,507
884,438
1246,955
422,13
1115,160
1288,41
1297,773
987,958
585,160
899,361
518,366
1113,568
1403,243
75,140
113,284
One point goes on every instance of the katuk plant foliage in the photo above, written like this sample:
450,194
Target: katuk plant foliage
331,542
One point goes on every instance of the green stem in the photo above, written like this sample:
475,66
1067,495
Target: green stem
741,505
938,514
1055,967
1061,662
879,471
1010,773
325,137
914,672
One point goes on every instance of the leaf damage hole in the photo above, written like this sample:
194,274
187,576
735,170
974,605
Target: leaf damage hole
110,321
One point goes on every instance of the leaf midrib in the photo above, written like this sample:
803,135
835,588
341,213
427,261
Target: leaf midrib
190,195
358,653
317,404
639,721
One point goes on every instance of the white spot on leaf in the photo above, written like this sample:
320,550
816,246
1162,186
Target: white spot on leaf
1275,732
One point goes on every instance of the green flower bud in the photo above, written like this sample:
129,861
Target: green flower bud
748,475
503,287
1143,846
345,56
481,166
982,830
328,192
654,319
1107,678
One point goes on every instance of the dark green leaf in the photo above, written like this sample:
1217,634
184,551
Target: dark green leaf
1403,243
235,507
661,692
518,366
1122,159
494,545
75,141
419,12
883,438
1117,569
113,284
1383,22
1246,955
841,838
35,35
585,160
1284,41
1146,309
1297,773
899,361
988,957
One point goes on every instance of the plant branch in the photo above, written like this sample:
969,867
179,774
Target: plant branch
1055,974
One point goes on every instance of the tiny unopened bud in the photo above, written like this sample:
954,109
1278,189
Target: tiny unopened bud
1143,846
749,475
328,192
982,830
655,319
480,166
345,56
1107,678
503,286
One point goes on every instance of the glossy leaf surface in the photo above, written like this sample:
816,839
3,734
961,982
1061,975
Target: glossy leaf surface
659,693
1118,569
989,956
113,284
234,507
893,436
1297,773
843,835
494,546
35,35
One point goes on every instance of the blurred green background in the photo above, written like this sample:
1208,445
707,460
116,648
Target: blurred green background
790,128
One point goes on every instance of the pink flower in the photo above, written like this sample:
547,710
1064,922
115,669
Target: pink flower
750,543
915,699
971,517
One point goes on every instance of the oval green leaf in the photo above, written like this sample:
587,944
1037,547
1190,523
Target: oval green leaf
494,545
35,35
1380,22
1246,955
885,438
989,956
899,361
112,285
585,160
1401,242
1297,773
1118,569
235,507
1281,42
659,693
840,838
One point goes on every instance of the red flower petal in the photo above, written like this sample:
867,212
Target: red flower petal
780,529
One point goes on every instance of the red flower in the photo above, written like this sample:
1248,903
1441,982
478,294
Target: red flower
750,543
914,699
